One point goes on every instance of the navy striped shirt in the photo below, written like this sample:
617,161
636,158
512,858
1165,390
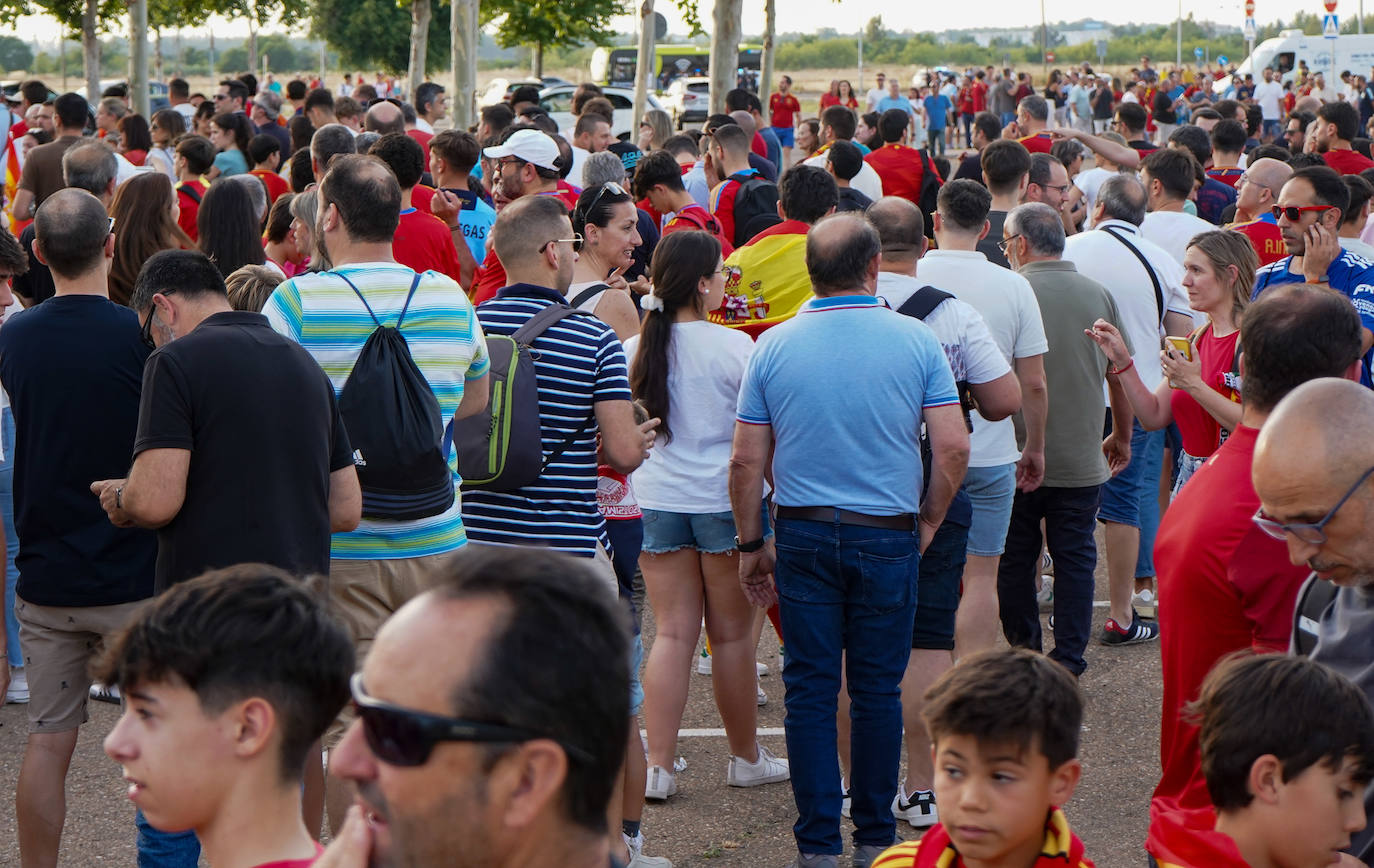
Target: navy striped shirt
578,361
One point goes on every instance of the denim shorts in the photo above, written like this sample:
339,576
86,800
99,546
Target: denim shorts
937,588
711,533
990,490
636,664
1122,494
786,136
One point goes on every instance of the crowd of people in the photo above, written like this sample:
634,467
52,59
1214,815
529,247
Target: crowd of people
402,429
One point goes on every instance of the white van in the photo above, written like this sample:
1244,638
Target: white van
1282,54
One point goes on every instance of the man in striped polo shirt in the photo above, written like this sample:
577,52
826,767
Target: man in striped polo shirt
379,566
583,390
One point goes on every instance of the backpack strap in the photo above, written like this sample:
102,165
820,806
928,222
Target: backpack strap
589,293
1154,278
360,296
414,282
1314,597
923,302
535,325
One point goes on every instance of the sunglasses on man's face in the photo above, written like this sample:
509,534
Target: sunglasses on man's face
404,737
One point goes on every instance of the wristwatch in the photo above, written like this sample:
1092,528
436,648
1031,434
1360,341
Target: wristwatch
748,547
119,497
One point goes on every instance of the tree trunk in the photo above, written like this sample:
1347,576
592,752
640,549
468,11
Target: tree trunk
90,49
420,14
724,51
537,60
770,26
463,35
138,56
644,65
157,54
252,47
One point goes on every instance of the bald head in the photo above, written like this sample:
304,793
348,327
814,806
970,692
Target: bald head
901,229
70,230
1268,172
385,117
745,121
842,253
1324,425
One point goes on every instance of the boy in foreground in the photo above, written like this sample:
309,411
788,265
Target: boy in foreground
228,680
1001,776
1287,750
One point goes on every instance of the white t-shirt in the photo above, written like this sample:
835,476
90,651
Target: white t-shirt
1172,230
1012,315
867,181
972,353
579,162
876,96
706,364
1267,95
187,111
1106,260
1090,182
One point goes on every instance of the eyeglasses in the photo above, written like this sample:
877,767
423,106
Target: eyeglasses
1246,179
1294,212
1062,188
1006,242
405,737
611,186
390,99
507,162
575,240
147,331
1312,534
220,96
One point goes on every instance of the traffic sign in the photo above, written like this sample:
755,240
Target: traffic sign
1197,52
1249,8
1249,29
1331,27
1049,57
1330,5
1101,49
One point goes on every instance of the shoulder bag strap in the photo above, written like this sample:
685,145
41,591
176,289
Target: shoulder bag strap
923,302
588,293
1149,269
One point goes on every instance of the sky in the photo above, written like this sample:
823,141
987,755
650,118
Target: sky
847,15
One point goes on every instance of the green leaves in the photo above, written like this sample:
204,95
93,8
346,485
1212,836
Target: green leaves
375,34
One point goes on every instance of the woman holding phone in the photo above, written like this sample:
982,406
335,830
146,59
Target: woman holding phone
607,220
1201,386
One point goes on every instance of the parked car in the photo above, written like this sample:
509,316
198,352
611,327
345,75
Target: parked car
500,89
557,101
157,94
688,100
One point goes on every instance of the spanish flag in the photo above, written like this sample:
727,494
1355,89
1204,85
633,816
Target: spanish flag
1187,838
12,169
768,281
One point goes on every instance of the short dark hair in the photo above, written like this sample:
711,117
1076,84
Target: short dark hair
328,142
458,148
34,91
250,81
681,144
1344,116
1209,114
1360,193
262,146
841,120
70,230
189,272
556,662
841,264
657,167
972,700
498,116
1004,162
1194,140
244,631
807,193
367,197
599,105
892,124
965,203
301,171
595,205
426,93
1304,118
737,100
198,153
1040,170
71,111
1273,152
237,89
319,98
732,139
1175,170
989,124
1254,119
13,259
1295,333
588,123
1132,116
1228,136
1326,184
524,93
403,155
296,89
846,159
179,88
1306,161
1299,711
1226,108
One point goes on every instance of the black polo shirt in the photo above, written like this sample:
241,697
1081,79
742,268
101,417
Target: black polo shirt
260,420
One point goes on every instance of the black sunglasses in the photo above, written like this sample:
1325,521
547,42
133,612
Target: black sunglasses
147,331
405,737
610,186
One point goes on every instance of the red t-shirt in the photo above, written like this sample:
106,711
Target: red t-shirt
566,193
1040,143
980,97
695,217
423,138
421,196
783,110
490,277
295,863
136,156
828,99
1228,176
900,169
1347,162
1215,355
1224,586
723,202
1181,838
276,184
1265,237
424,243
190,206
759,146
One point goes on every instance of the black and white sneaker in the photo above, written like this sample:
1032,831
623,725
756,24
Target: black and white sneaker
1139,631
919,811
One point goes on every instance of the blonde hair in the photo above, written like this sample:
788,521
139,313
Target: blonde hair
250,286
1225,248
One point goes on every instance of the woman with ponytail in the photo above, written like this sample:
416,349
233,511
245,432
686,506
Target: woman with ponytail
687,371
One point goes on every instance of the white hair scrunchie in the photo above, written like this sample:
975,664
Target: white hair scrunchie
649,301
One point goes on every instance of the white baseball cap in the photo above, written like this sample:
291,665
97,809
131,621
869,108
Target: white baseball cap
532,146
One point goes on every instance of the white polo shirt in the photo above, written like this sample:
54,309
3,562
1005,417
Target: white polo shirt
1106,260
1008,306
867,181
1172,230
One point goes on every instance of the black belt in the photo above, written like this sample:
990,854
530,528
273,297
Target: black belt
831,515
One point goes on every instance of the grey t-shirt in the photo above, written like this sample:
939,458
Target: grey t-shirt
1074,371
1345,642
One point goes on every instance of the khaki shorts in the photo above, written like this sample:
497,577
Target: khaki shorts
59,644
364,594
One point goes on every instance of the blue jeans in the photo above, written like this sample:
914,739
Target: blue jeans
16,656
158,849
1132,496
851,589
1070,516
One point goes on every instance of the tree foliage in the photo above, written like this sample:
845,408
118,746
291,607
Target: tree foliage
553,23
15,53
375,34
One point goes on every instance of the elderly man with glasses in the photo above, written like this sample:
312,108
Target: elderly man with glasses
1225,584
1257,191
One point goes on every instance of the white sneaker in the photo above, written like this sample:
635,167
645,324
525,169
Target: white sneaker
760,669
845,801
1045,596
762,697
703,663
768,769
637,858
919,811
1145,601
105,693
18,693
660,784
679,764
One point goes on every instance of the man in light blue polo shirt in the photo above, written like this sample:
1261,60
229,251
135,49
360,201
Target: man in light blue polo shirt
847,473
